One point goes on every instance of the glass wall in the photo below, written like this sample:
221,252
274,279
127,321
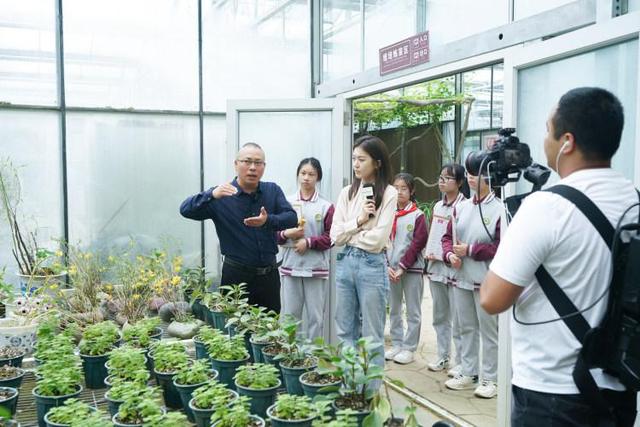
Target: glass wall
525,8
341,38
535,105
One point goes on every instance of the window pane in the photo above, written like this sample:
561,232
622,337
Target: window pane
477,83
131,54
526,8
128,175
471,17
471,143
31,140
216,171
255,49
341,44
534,105
28,52
398,18
498,96
287,138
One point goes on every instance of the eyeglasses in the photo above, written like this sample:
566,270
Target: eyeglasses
446,178
249,162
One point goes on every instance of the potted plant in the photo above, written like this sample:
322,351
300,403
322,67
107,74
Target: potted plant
11,376
138,406
294,361
292,410
259,382
235,302
97,341
64,415
247,321
10,355
190,377
7,293
260,325
126,363
227,354
207,398
168,419
313,382
236,415
196,284
214,316
356,370
167,362
60,378
344,418
9,399
119,388
142,334
205,335
19,329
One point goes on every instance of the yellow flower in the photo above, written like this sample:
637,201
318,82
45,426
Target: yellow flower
53,287
111,258
59,253
175,280
136,296
73,270
108,286
88,255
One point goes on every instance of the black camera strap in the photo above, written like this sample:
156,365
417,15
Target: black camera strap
567,310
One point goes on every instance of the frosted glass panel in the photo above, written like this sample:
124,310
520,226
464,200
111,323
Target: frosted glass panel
138,54
128,175
287,138
534,105
341,44
255,49
28,52
397,17
32,141
449,20
498,96
216,171
526,8
477,83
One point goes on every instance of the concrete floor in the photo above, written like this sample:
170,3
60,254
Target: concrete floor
430,385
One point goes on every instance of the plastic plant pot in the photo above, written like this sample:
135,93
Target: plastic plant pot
261,399
95,370
202,417
44,403
227,369
279,422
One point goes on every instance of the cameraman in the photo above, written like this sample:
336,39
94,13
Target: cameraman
583,134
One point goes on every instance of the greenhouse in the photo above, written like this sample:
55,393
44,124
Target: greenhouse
319,213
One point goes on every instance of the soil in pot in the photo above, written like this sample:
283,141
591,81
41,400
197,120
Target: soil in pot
361,408
312,383
9,399
279,422
11,376
11,356
260,399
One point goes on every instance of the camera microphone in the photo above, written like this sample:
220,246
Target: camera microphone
367,192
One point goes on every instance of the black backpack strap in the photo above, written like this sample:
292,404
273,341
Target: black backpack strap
570,314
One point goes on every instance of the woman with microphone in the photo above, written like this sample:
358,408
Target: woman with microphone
362,223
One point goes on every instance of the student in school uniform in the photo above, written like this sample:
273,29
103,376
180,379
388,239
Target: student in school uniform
406,265
362,224
475,244
305,251
441,276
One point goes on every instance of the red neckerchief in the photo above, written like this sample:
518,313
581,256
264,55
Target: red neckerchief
401,212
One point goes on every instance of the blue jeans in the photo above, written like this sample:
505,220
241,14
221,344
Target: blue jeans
362,285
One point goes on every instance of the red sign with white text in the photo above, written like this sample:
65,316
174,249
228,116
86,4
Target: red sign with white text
405,54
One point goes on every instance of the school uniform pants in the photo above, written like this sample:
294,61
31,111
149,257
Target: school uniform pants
445,320
474,322
410,289
362,285
308,293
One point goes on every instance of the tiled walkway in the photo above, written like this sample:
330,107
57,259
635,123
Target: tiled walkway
430,385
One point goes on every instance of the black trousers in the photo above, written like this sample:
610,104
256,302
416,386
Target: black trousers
536,409
264,289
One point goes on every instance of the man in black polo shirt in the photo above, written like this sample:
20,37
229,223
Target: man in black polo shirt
247,213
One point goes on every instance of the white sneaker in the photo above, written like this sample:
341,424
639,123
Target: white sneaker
440,365
486,390
456,370
404,357
462,382
391,353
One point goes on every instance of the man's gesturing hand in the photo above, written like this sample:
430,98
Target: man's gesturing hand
224,190
257,221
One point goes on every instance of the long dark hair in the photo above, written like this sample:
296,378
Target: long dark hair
315,163
408,179
457,171
376,148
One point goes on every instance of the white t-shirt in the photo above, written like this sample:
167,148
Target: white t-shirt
550,230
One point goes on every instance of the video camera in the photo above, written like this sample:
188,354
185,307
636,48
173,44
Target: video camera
506,161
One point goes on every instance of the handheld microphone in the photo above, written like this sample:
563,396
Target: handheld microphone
367,192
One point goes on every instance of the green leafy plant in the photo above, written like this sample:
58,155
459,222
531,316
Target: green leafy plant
235,299
197,372
60,374
257,376
139,334
195,282
48,348
98,339
139,405
69,411
127,363
207,334
344,418
120,388
94,419
293,352
170,419
225,348
212,394
170,361
292,407
234,415
6,289
265,327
